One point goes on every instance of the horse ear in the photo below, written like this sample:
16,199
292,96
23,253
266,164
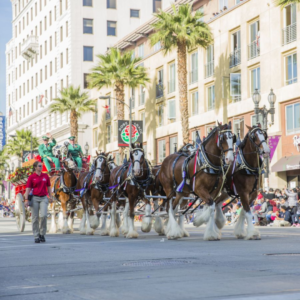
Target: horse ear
249,127
97,153
219,123
229,125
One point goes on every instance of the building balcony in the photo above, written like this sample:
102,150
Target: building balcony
193,76
253,50
159,90
209,69
289,34
30,47
171,86
235,58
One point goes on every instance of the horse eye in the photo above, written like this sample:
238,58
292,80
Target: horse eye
135,154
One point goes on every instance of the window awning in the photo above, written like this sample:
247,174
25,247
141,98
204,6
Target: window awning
287,163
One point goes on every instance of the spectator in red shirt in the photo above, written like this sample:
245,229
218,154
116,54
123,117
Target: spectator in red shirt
39,184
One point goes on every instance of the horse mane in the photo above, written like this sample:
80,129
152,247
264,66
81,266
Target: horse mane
243,142
184,148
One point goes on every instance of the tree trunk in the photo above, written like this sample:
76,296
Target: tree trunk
74,124
182,85
119,89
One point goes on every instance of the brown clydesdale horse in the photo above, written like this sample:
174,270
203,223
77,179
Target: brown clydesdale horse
243,180
208,180
94,192
131,181
63,186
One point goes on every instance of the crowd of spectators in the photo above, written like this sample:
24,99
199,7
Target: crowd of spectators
6,210
272,208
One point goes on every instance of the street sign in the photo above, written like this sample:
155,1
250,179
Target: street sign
2,132
123,132
27,155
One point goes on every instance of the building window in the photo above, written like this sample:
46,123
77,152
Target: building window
141,50
291,69
201,10
235,87
67,56
161,150
88,53
108,131
195,104
111,28
254,122
172,78
255,80
61,60
95,115
211,97
88,26
87,3
157,46
156,5
142,95
134,13
111,3
235,56
292,118
160,84
160,115
95,138
194,68
209,67
61,34
172,109
67,29
223,4
142,118
289,32
85,81
254,47
173,144
238,127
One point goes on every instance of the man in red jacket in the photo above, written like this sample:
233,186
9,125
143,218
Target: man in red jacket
39,184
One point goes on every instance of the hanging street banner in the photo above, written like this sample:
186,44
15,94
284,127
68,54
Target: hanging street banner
27,155
123,132
2,133
273,142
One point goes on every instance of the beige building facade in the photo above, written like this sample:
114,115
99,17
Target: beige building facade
255,47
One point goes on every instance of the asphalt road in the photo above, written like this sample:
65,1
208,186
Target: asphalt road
95,267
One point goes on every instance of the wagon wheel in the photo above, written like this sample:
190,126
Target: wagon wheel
20,212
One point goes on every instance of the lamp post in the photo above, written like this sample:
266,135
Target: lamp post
256,97
130,113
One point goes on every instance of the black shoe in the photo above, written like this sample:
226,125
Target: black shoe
37,240
42,239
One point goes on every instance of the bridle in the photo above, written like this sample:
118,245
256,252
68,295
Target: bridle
134,152
252,137
221,138
102,169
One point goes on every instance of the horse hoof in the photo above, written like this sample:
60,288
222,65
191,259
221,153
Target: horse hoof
82,232
132,235
90,232
146,227
114,233
104,233
240,236
68,231
52,231
253,237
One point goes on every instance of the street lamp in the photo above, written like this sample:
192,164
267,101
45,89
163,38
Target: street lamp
130,114
256,97
86,148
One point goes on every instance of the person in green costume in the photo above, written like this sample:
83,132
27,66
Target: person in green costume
45,151
76,151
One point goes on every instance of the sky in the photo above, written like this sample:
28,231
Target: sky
5,36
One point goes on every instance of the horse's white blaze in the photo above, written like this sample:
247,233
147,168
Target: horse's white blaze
98,167
229,154
219,216
264,144
252,232
137,158
211,231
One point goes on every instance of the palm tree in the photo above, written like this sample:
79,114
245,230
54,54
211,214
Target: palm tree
75,102
181,30
283,3
20,143
117,69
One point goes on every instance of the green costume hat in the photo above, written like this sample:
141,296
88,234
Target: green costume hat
45,138
72,138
